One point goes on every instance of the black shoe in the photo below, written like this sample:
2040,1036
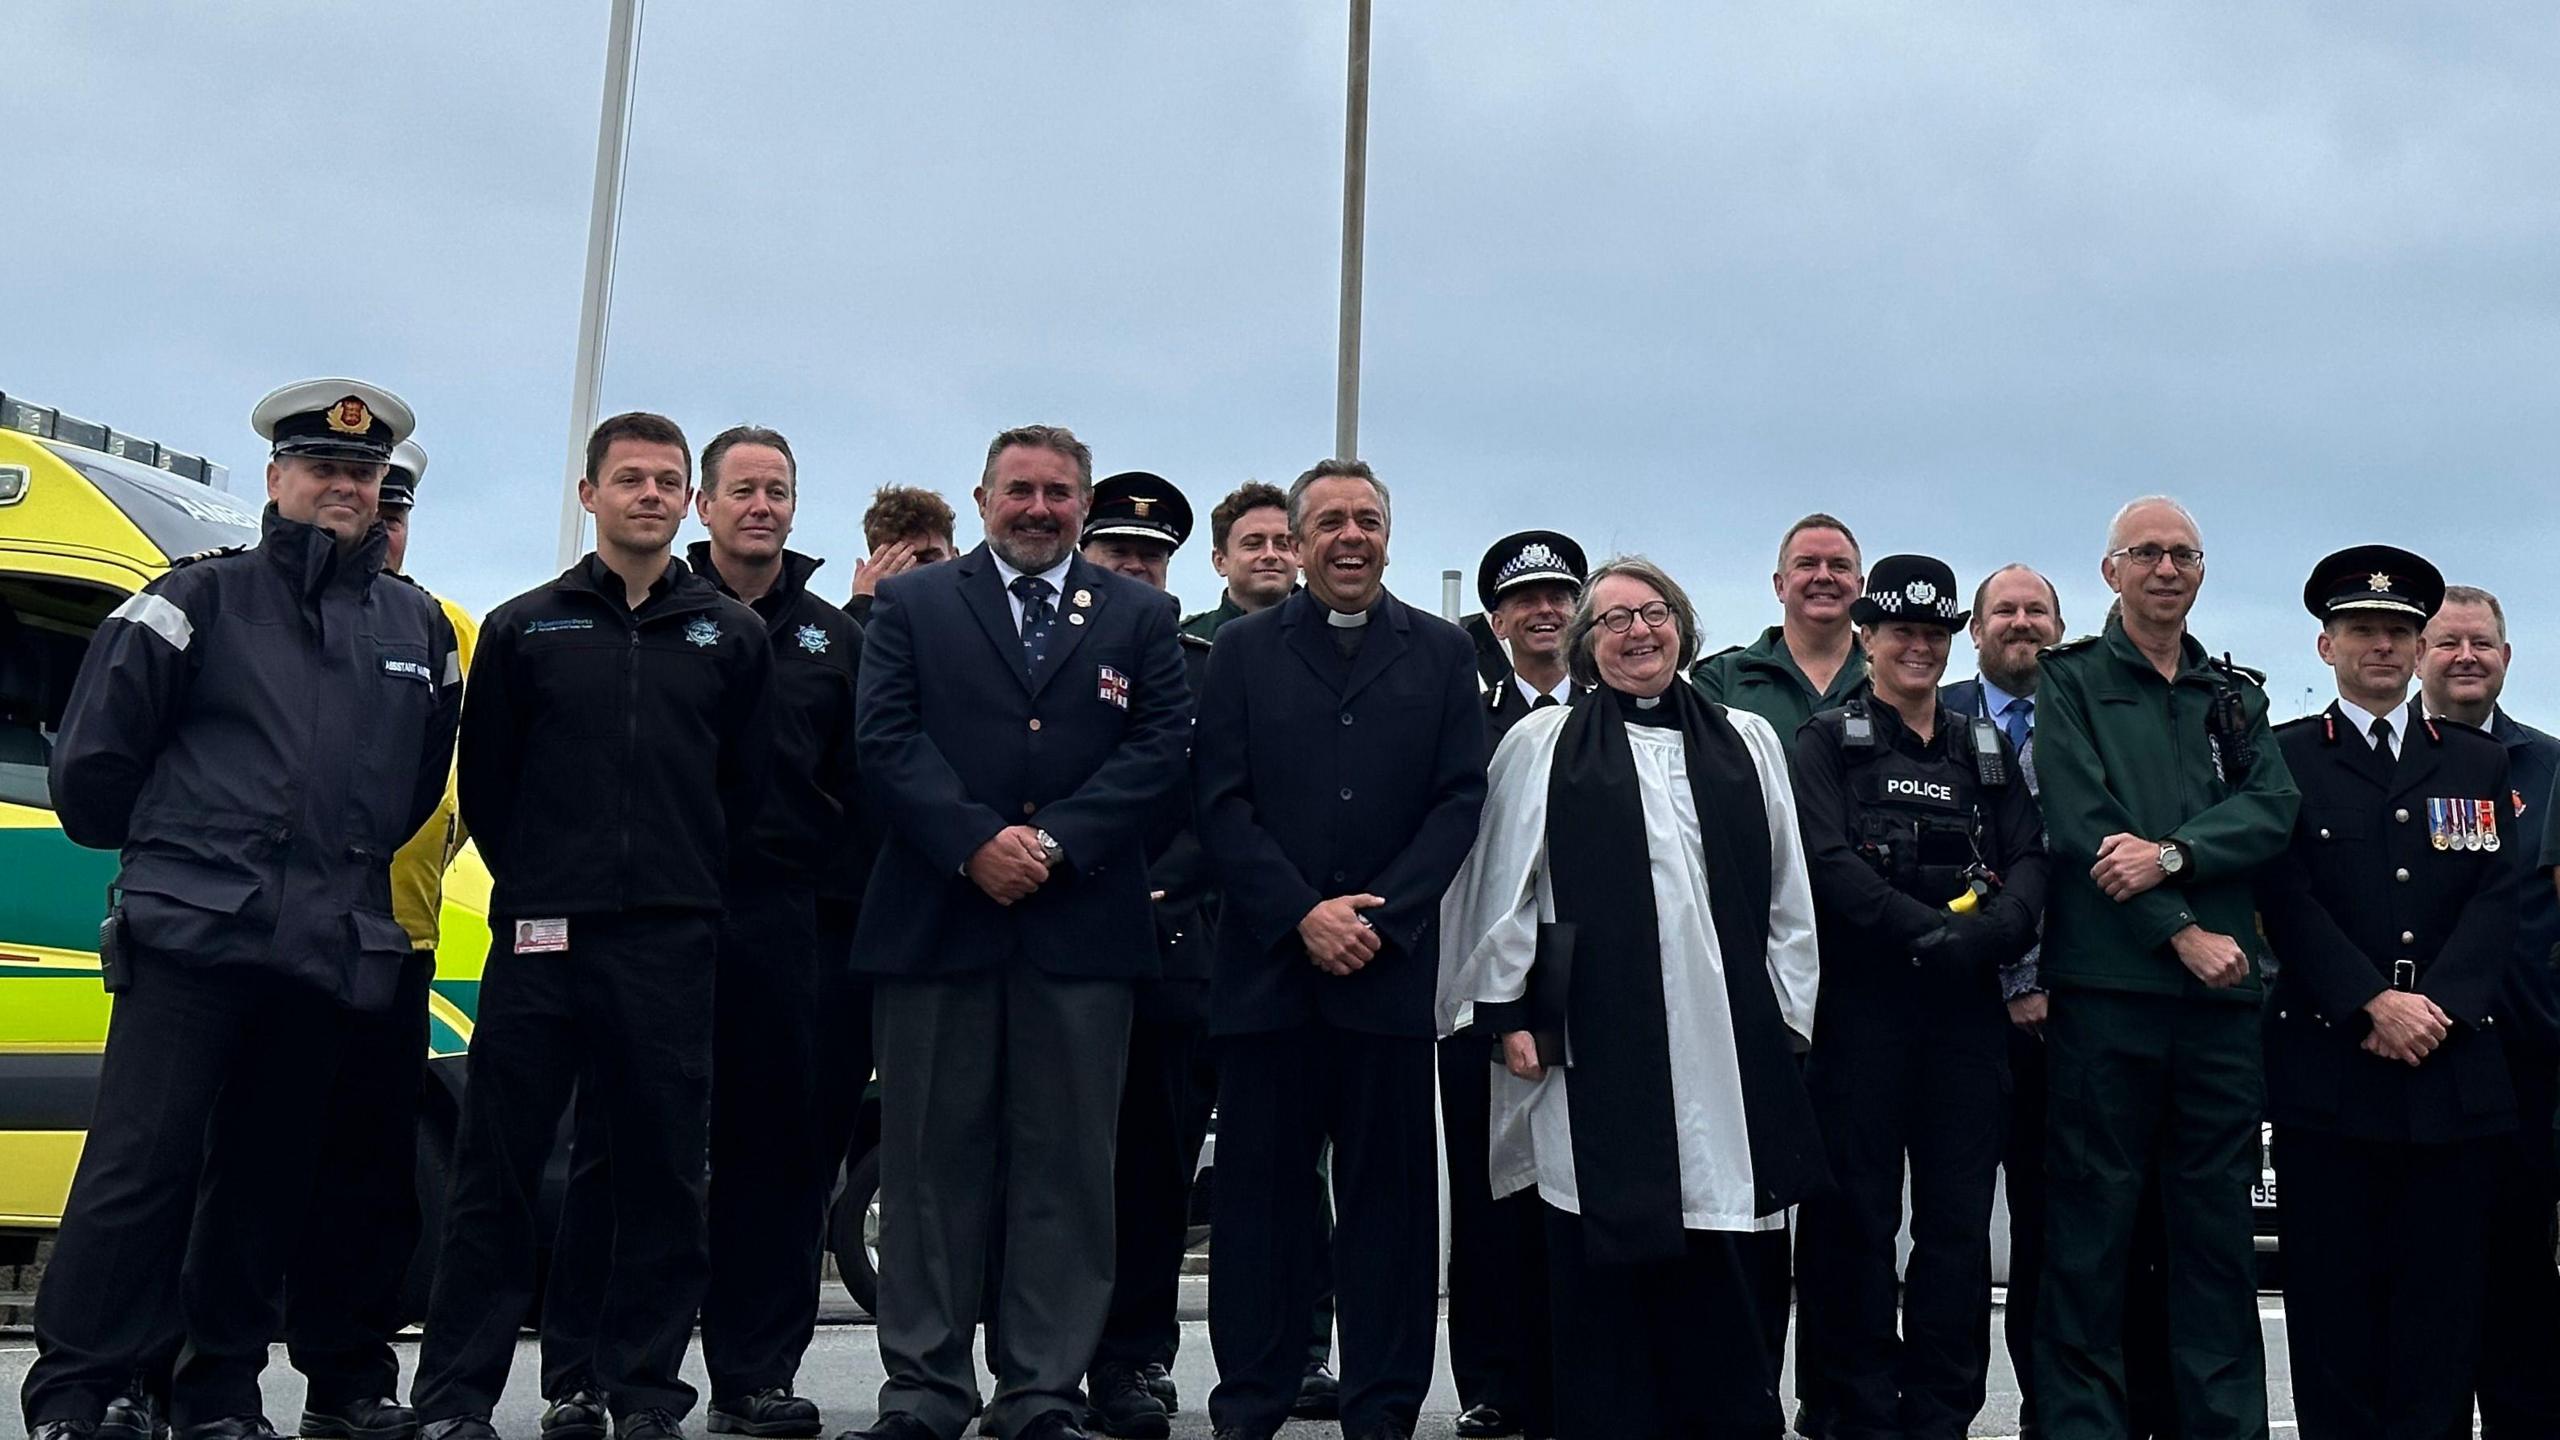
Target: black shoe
648,1425
231,1427
1383,1432
133,1417
1054,1425
1125,1407
1319,1395
460,1427
578,1415
1484,1422
64,1430
893,1426
1159,1383
773,1411
367,1419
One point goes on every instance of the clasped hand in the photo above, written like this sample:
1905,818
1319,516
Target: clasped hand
2406,1027
1010,865
1338,941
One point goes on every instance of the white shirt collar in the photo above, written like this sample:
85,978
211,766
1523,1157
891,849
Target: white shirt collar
2363,720
1562,694
1056,574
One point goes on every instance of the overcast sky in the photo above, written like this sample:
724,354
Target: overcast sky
1662,275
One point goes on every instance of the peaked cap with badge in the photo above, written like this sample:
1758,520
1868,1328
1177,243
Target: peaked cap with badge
1138,505
408,467
1918,589
2380,578
333,419
1530,557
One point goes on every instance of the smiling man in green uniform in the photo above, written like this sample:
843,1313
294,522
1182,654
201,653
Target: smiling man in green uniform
1810,660
2163,793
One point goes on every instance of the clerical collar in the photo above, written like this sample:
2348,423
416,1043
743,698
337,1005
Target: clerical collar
1647,702
1340,621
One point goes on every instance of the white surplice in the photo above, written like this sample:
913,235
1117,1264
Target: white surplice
1488,934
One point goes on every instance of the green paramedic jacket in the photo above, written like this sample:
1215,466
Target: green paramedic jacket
2120,749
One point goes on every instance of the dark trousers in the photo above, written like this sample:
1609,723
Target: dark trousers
999,1101
1164,1117
625,1014
1922,1087
2145,1086
1664,1350
768,1198
844,1049
351,1251
2519,1382
215,1074
1498,1342
2146,1321
2382,1257
1281,1095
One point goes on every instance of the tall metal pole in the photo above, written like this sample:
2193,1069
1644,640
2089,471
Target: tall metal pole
1355,214
604,224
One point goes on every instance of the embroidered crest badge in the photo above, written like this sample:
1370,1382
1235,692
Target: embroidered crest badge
705,633
813,639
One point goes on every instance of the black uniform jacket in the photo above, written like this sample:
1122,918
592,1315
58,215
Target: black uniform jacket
1867,926
958,741
1318,779
1505,706
258,731
613,759
2362,887
817,650
1187,916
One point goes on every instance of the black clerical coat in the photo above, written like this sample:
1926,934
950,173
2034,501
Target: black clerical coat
1318,777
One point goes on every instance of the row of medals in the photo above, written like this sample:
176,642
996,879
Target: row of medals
2463,824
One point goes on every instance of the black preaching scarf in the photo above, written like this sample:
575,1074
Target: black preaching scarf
1626,1151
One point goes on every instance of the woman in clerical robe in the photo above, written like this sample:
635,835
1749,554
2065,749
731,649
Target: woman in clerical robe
1636,925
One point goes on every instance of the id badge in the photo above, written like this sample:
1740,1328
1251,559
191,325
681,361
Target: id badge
541,937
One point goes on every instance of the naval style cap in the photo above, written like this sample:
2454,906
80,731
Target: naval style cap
1136,505
1913,589
408,467
333,419
1531,557
2379,578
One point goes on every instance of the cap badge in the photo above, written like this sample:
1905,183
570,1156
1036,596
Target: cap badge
1535,556
1139,505
813,639
1920,592
349,417
2380,582
705,633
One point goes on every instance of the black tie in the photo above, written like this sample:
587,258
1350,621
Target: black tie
1542,702
1037,613
2381,733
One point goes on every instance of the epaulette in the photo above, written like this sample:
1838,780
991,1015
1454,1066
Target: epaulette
1728,650
2072,646
2298,721
2228,667
1197,642
215,552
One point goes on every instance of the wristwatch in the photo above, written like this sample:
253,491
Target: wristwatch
1050,849
2173,859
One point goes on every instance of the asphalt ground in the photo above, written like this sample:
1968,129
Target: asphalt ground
842,1373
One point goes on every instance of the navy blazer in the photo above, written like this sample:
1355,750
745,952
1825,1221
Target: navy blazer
956,742
1313,781
1962,697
